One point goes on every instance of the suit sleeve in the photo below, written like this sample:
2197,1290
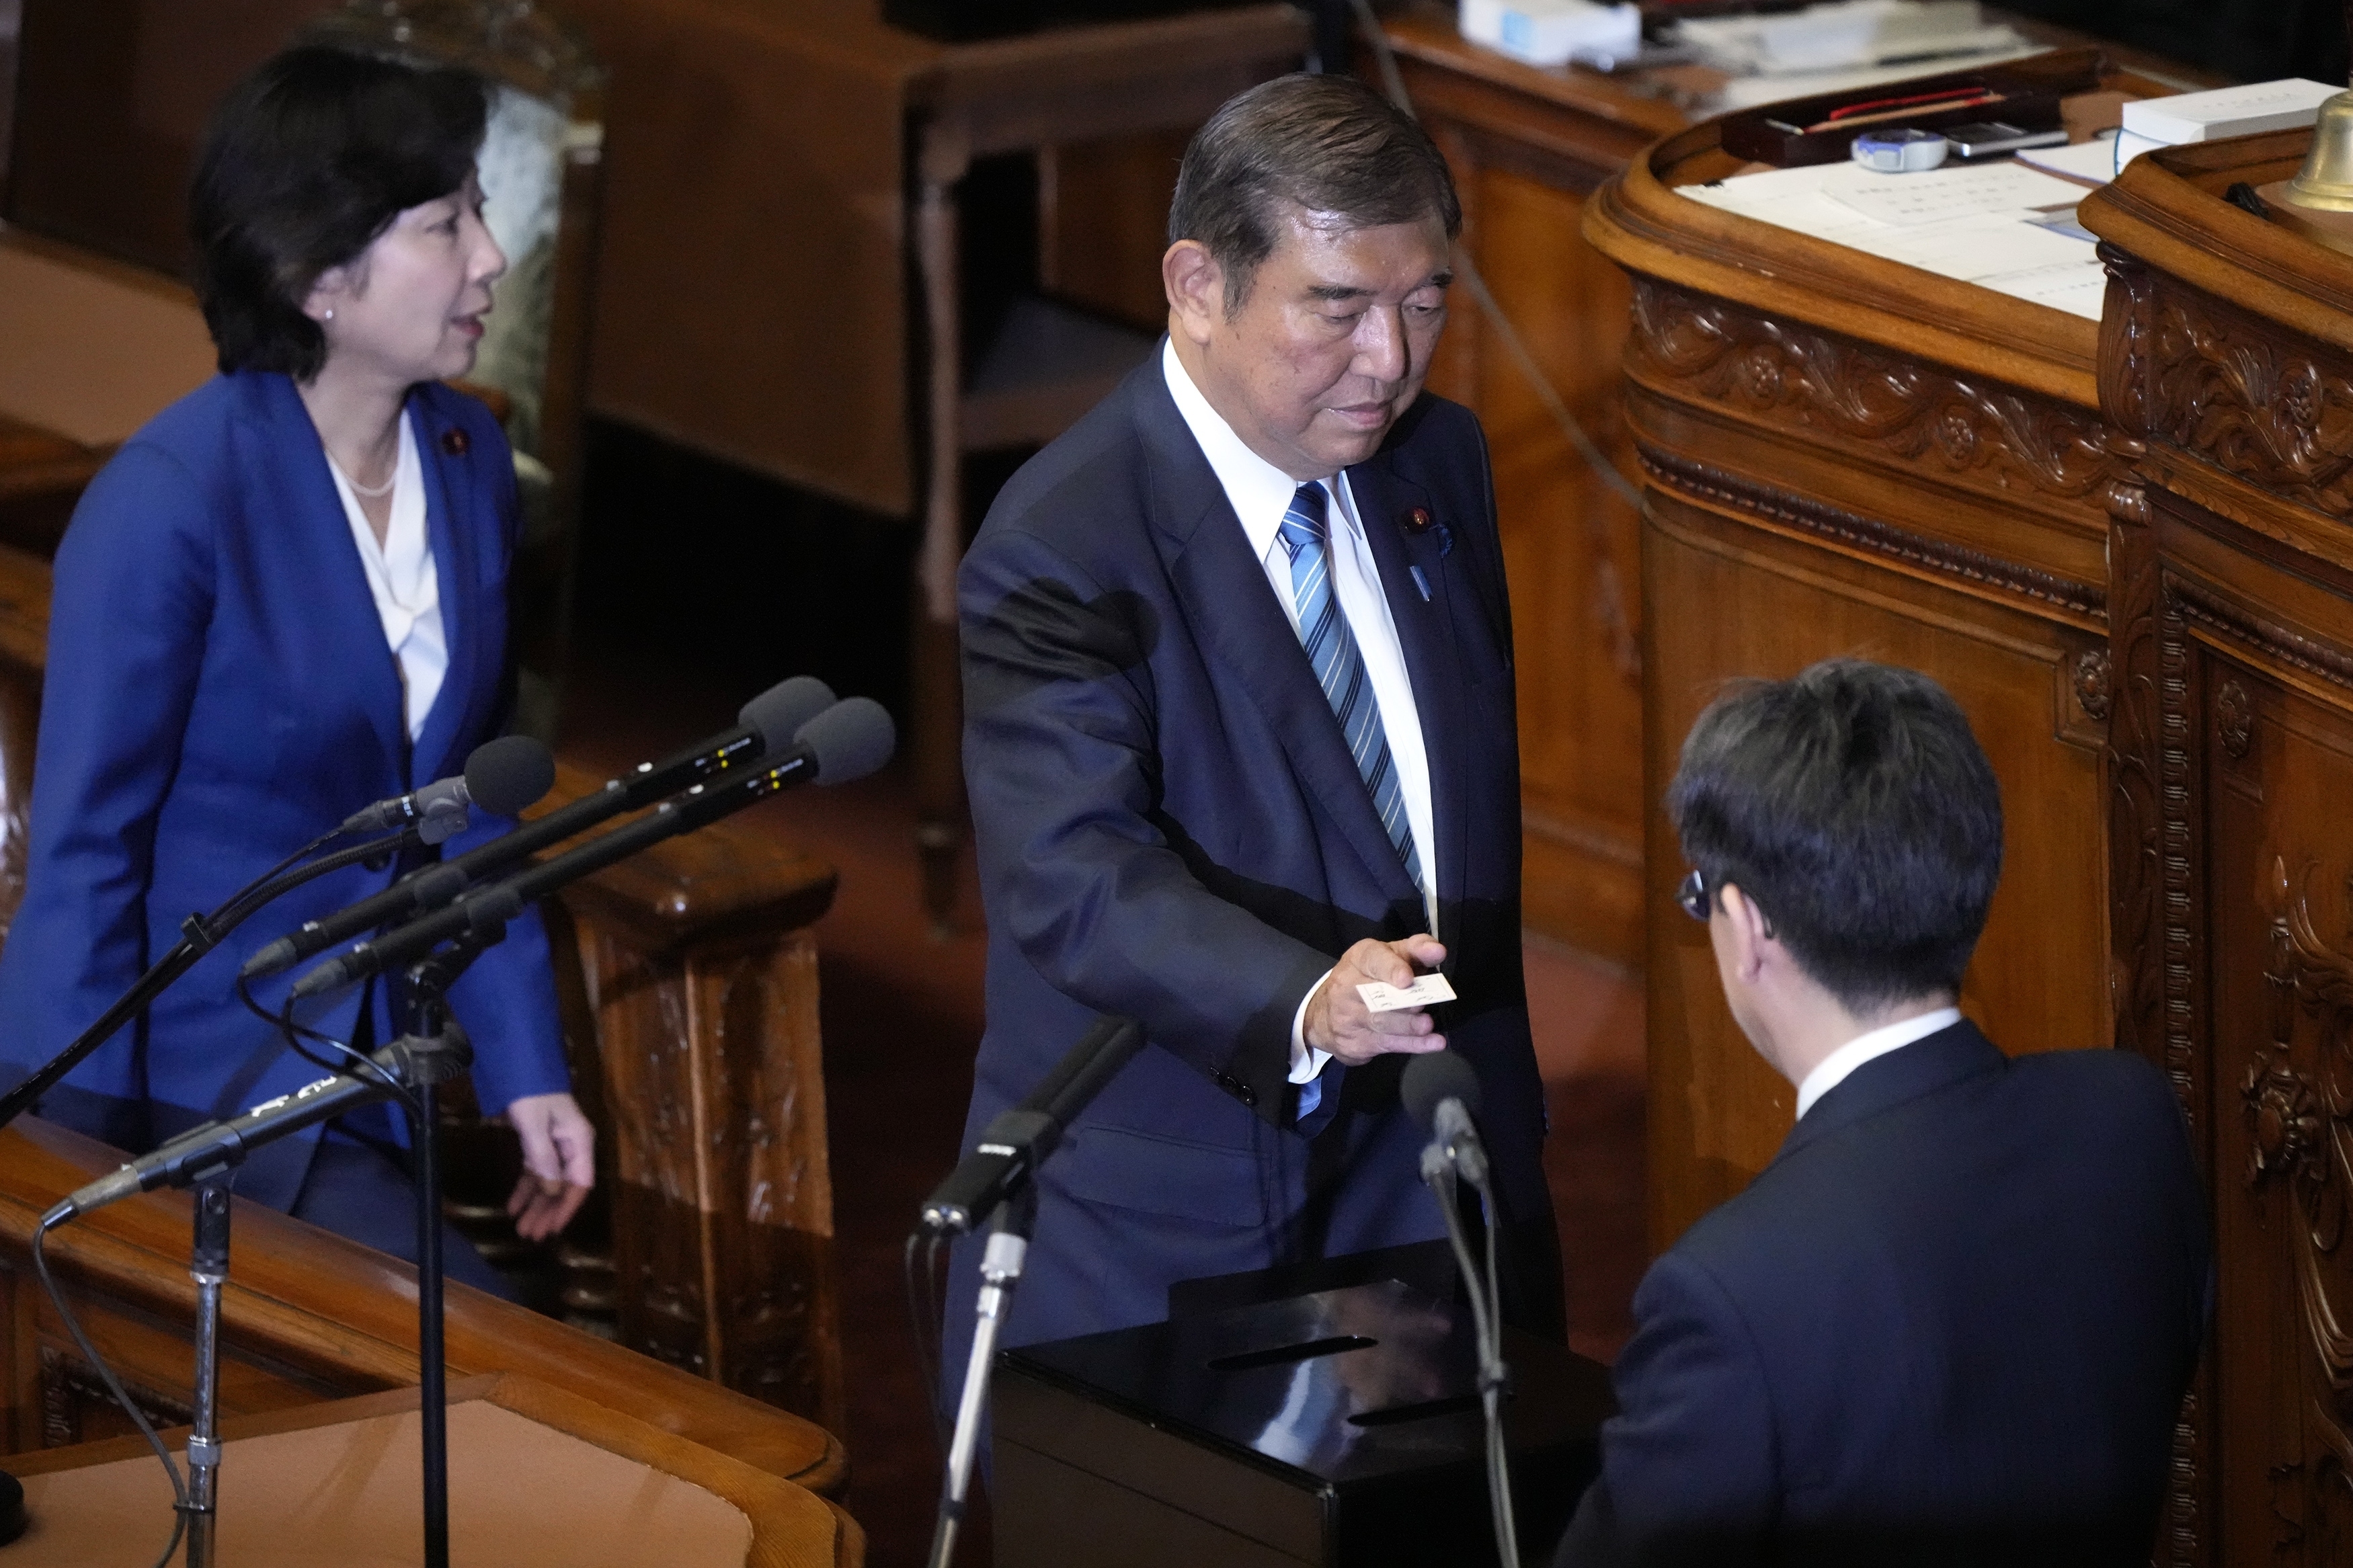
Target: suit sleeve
1062,756
1689,1469
130,608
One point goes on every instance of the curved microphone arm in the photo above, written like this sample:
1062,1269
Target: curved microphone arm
199,935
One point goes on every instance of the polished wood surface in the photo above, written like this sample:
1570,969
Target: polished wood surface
2228,348
537,1474
1848,457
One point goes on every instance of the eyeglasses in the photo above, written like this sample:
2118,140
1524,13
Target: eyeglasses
1691,894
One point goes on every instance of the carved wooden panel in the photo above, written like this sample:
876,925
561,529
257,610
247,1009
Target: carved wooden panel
1890,405
2252,398
721,1204
2277,766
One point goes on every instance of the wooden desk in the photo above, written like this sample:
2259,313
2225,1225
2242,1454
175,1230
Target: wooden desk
2227,348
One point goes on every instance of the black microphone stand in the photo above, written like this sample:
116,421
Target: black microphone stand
437,1050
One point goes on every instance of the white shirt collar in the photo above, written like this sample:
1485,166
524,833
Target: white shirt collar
1834,1068
1260,492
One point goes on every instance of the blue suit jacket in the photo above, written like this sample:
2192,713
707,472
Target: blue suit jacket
1170,826
218,692
1951,1323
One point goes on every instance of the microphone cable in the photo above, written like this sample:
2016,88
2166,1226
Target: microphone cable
121,1396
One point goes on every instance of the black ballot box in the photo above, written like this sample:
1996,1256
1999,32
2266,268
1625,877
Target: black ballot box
1340,1429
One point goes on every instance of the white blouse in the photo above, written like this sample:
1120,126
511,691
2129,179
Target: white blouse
401,577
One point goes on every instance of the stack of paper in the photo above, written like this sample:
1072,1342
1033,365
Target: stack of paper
1970,222
1845,35
2286,105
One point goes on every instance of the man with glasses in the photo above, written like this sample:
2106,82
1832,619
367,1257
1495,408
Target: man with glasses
1953,1320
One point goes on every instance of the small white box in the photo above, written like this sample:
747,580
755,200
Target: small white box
1546,32
2286,105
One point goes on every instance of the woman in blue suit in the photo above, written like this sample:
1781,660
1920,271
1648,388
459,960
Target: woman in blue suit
283,599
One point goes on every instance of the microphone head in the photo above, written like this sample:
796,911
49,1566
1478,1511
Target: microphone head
504,775
1436,1078
779,712
850,739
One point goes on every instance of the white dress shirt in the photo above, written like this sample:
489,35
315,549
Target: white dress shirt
1834,1068
402,580
1260,494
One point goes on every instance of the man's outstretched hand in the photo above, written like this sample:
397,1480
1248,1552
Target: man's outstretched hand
1338,1021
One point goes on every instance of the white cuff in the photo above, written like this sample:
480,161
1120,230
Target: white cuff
1306,1061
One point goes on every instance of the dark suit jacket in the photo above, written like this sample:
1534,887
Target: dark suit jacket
218,692
1170,826
1951,1323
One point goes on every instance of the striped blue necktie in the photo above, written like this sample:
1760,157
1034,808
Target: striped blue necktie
1340,669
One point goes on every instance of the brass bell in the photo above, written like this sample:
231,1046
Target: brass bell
2326,180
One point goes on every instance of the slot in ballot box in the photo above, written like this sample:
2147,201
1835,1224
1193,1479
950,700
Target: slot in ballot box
1340,1429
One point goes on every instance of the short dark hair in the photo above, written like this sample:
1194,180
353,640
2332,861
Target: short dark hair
303,164
1853,805
1329,143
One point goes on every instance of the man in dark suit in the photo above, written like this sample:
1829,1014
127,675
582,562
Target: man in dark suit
1953,1320
1239,737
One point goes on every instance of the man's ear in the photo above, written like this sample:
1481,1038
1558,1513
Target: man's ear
1746,930
1196,286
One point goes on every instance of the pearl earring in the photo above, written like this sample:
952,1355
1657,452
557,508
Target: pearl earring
331,313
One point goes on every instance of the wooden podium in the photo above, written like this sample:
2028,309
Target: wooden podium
537,1477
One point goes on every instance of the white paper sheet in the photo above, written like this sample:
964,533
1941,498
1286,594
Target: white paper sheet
1955,191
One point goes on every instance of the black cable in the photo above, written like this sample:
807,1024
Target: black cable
1625,647
49,1222
924,1322
357,1063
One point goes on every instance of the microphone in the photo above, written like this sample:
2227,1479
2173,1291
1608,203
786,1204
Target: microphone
766,723
501,776
203,1152
847,741
1018,1141
1440,1092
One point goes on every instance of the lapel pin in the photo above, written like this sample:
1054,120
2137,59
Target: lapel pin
1418,520
454,442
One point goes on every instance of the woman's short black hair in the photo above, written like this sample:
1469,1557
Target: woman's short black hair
1855,807
304,164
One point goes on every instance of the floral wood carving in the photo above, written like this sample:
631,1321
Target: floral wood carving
2234,718
1792,375
2090,677
2298,1105
2246,396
